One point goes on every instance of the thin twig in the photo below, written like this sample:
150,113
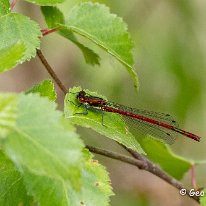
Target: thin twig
145,165
193,179
51,71
49,31
116,156
12,5
139,161
152,168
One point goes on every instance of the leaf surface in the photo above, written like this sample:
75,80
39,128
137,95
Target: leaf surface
16,28
54,17
203,198
96,188
12,188
95,22
161,154
45,89
40,147
45,2
11,56
47,152
4,7
112,126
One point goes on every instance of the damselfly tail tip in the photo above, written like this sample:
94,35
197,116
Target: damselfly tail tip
197,138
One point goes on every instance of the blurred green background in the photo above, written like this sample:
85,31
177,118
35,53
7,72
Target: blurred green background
170,46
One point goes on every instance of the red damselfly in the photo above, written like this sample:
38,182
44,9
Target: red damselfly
159,125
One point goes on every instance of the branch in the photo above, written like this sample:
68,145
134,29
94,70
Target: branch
138,160
51,71
116,156
145,165
152,168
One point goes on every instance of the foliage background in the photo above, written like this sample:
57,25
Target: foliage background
169,54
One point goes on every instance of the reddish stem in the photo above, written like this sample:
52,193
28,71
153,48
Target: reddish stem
13,3
48,31
193,179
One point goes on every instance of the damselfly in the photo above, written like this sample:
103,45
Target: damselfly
159,125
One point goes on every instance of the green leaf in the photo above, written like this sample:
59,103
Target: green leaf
47,190
11,56
7,114
95,22
54,17
16,27
46,2
4,7
45,89
40,147
203,198
161,154
96,188
114,127
12,189
49,155
89,55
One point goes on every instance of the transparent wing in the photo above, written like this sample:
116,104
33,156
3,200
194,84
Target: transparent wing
143,128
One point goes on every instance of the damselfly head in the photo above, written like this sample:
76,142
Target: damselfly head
81,95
